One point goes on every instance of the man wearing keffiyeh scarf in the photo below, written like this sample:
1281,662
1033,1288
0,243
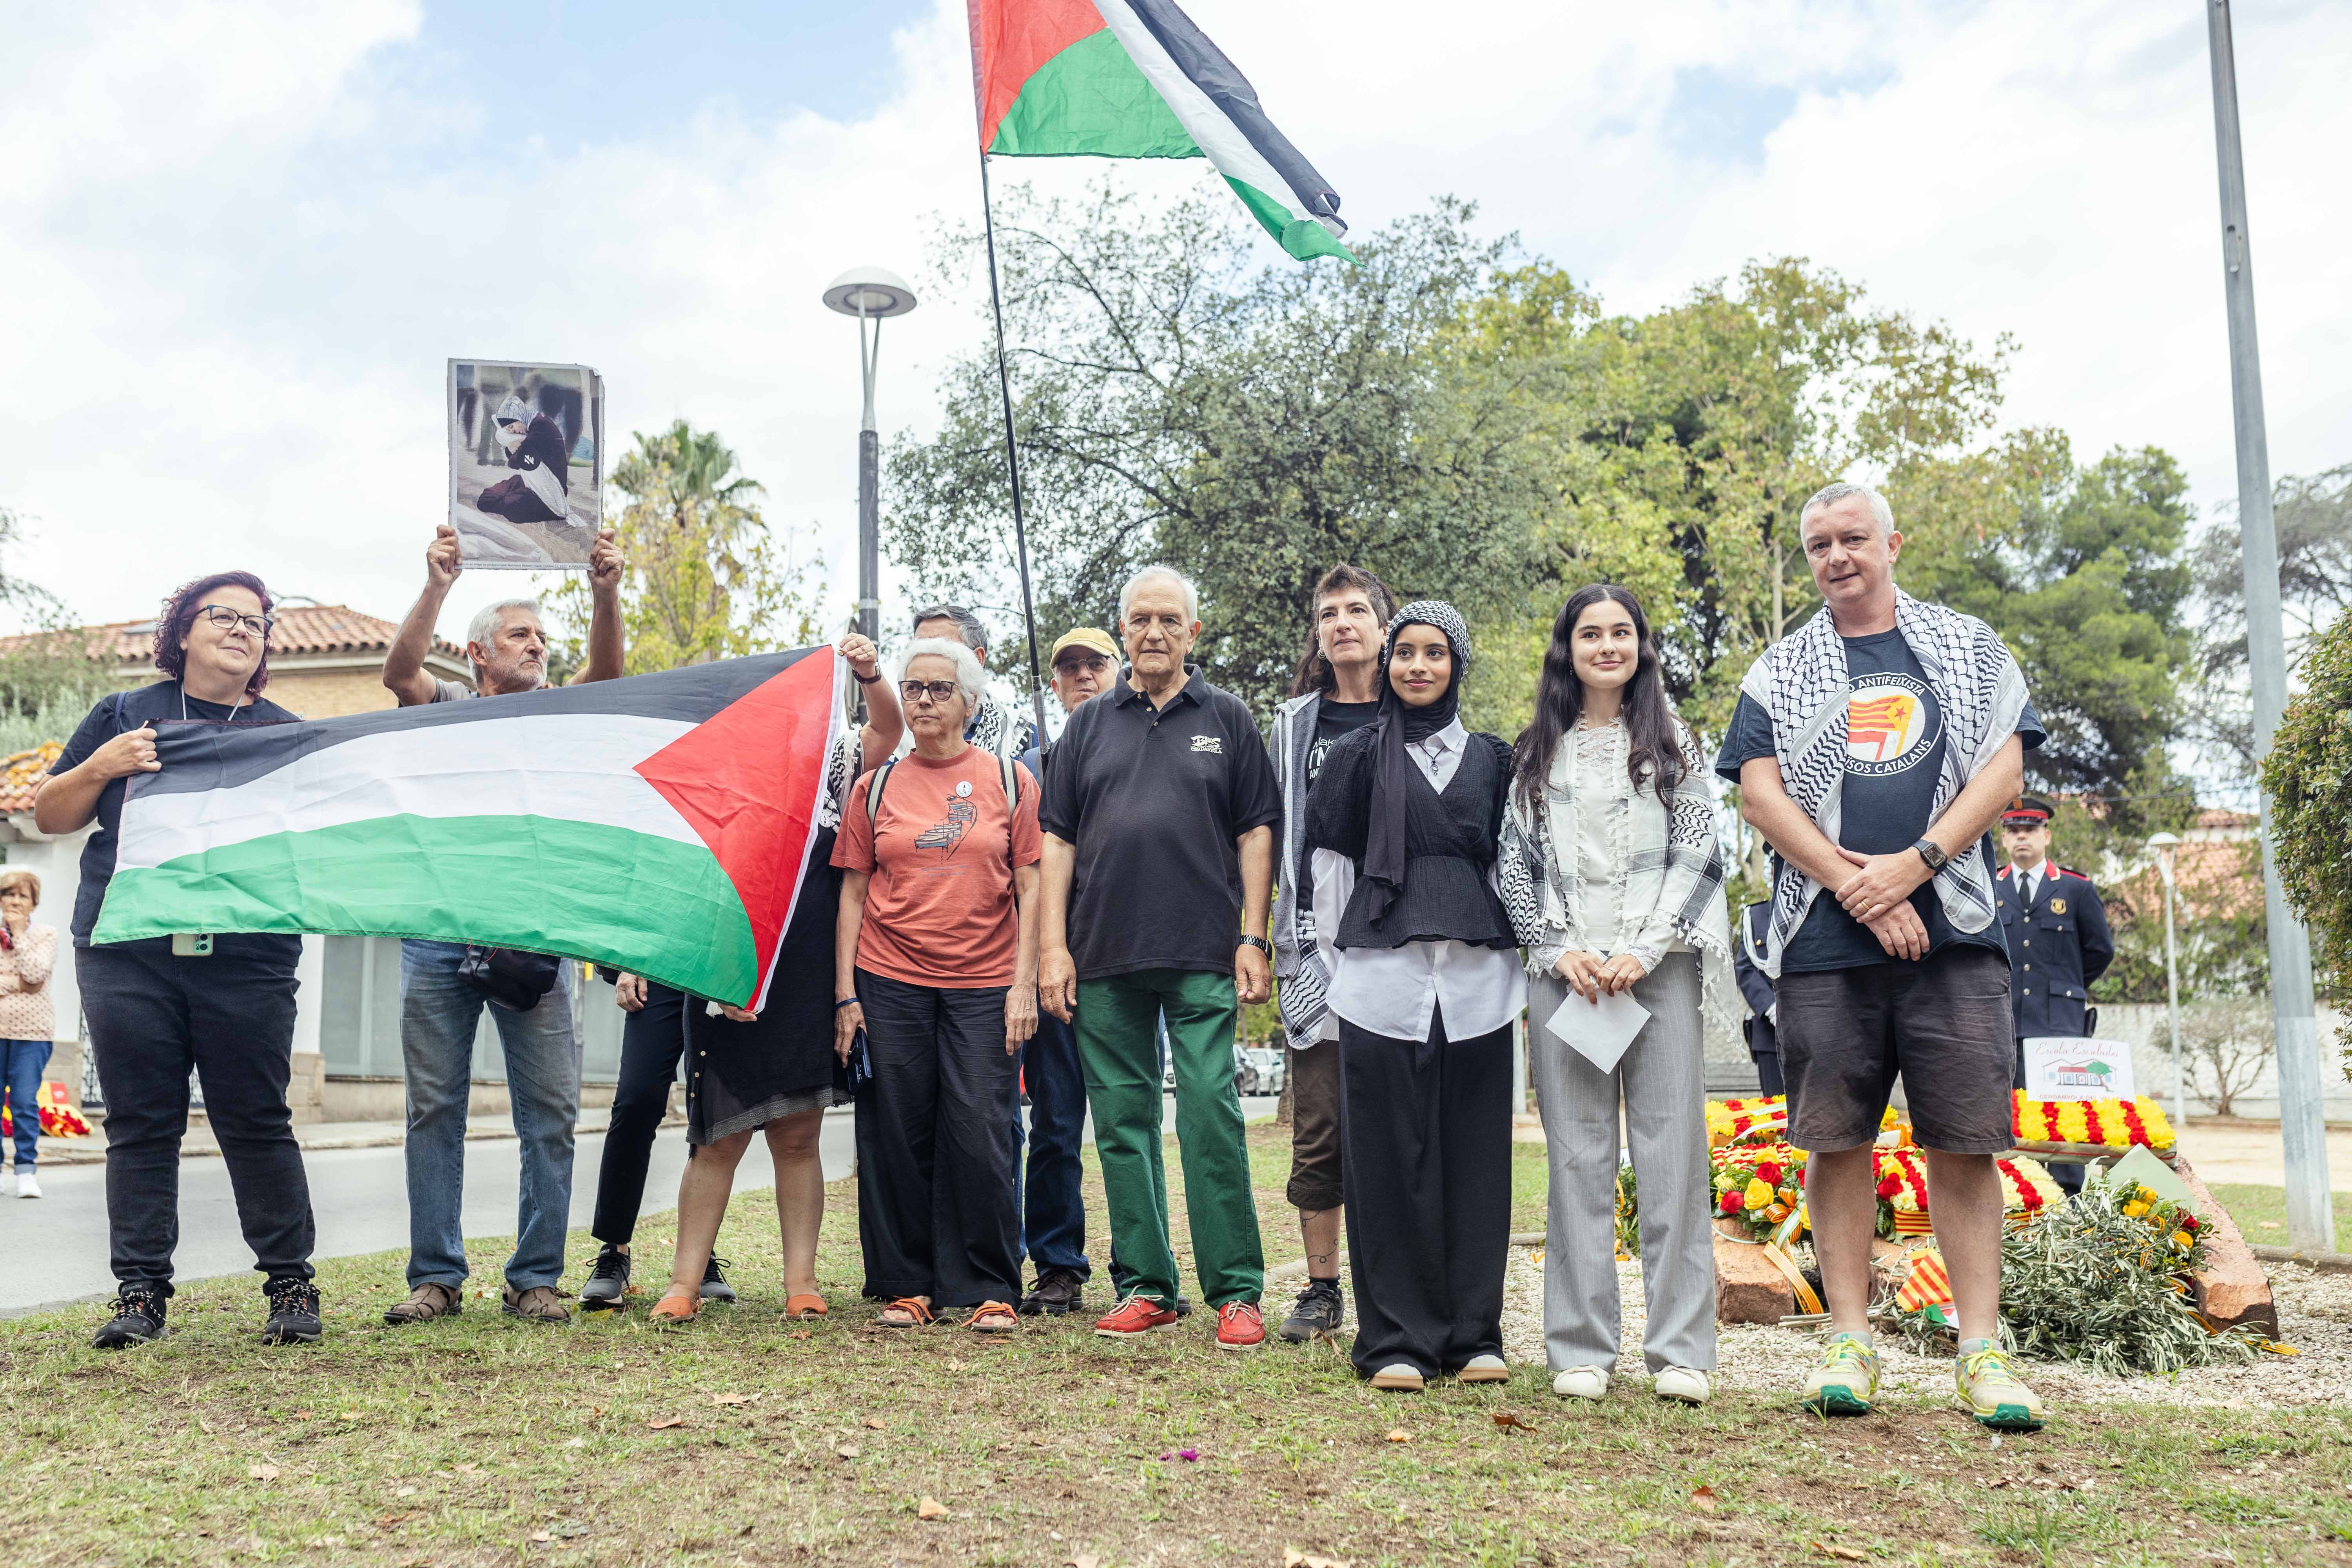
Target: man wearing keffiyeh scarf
1875,747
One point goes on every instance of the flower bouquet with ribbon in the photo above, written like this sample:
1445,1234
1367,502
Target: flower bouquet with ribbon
1758,1184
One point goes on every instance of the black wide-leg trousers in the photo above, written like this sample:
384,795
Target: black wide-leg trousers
1425,1163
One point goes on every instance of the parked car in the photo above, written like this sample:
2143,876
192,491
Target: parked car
1258,1069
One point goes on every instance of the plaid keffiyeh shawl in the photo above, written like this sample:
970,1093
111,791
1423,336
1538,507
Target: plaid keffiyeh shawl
1669,872
1802,682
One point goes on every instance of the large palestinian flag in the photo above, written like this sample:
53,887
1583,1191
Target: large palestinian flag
1135,78
659,824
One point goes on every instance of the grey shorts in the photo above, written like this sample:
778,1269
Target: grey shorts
1944,1023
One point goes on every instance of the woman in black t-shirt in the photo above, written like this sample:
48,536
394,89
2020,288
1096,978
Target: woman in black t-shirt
223,1005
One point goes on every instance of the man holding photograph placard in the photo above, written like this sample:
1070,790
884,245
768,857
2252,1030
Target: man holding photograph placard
441,1002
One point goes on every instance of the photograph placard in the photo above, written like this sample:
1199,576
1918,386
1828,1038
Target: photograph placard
526,462
2078,1067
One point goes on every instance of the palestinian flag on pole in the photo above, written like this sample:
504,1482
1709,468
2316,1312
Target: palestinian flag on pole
1135,78
659,824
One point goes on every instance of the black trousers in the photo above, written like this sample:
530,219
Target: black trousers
937,1206
1425,1168
652,1038
230,1017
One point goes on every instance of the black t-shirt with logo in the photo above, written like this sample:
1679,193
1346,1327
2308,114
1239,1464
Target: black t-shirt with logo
1894,754
1152,800
1333,721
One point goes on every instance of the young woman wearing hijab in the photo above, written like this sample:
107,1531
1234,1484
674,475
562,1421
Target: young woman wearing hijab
1403,823
1614,877
540,488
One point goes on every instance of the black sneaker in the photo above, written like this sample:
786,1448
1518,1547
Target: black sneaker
138,1317
1321,1311
608,1280
293,1312
714,1280
1059,1291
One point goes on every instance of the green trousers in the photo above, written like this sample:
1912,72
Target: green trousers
1118,1028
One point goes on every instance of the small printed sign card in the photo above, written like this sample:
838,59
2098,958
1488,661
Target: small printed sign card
2078,1067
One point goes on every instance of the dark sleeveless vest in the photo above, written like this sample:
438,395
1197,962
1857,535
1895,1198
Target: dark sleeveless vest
1450,842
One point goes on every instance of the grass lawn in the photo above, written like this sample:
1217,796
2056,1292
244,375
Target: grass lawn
2260,1213
748,1438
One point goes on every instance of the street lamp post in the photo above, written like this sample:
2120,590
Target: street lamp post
2163,844
869,293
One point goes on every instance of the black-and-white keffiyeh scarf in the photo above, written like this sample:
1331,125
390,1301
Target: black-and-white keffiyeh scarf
1668,865
1802,682
1000,731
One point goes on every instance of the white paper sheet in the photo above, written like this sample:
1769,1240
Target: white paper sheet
1599,1031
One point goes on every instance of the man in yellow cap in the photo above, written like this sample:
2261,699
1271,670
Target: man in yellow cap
1085,662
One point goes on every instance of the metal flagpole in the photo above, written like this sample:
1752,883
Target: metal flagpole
2302,1126
1013,458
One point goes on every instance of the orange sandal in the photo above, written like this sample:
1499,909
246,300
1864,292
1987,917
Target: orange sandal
993,1309
914,1314
805,1306
675,1307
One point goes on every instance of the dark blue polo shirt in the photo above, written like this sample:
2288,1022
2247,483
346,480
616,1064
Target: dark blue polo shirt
1152,801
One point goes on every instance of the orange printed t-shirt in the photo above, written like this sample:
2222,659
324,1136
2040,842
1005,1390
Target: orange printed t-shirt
939,909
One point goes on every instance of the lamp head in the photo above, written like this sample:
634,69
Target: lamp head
2163,840
871,291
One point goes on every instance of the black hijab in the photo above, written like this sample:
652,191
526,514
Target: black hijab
1396,727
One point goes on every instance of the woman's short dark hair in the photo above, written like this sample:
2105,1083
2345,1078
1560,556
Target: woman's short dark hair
1653,753
179,614
1314,673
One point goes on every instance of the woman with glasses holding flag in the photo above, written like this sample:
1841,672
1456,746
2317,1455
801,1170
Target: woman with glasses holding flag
221,1004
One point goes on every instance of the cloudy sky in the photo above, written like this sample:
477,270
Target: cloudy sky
236,249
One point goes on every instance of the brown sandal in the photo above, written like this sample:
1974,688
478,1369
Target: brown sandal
805,1306
994,1309
916,1314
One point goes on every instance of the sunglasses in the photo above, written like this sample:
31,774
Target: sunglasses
223,617
937,690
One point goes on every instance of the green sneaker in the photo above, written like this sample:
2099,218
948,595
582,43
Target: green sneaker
1847,1379
1991,1390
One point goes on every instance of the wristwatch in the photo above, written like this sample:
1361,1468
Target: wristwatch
1933,853
1260,943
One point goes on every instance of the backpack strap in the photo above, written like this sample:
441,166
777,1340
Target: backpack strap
874,791
1012,783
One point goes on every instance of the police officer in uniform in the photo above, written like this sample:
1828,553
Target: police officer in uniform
2058,939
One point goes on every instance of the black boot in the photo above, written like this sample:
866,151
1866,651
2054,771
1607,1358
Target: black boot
293,1312
138,1317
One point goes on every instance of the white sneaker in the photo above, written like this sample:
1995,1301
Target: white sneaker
1484,1368
1685,1383
1400,1378
29,1185
1581,1382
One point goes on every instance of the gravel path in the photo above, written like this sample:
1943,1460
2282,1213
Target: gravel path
2315,1316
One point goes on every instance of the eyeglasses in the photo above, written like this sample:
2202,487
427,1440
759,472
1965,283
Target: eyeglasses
1093,663
937,690
223,617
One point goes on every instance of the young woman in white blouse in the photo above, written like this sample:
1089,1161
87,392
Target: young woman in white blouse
1404,822
1614,876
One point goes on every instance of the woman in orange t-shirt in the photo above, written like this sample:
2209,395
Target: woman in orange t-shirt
936,960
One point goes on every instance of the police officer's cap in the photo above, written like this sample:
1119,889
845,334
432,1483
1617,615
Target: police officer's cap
2028,811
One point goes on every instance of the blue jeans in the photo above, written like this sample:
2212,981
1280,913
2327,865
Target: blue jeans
439,1011
25,1058
1053,1214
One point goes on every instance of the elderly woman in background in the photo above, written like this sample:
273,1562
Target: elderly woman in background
28,952
936,962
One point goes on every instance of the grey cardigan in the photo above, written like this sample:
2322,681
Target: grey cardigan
1297,965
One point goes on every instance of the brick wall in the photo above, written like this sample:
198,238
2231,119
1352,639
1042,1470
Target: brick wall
315,693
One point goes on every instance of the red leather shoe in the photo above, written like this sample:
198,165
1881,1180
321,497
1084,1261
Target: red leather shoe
1240,1326
1134,1317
